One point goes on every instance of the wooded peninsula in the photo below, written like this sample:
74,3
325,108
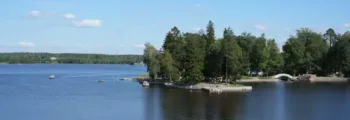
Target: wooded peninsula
68,58
201,57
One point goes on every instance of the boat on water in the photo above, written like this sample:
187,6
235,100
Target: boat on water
125,79
51,77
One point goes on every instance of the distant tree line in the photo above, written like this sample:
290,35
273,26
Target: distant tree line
196,57
68,58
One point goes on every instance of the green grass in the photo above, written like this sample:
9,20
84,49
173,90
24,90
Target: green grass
144,75
270,77
246,77
141,77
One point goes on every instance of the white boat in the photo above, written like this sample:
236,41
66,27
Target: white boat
51,77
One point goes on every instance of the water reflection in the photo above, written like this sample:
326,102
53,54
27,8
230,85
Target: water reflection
278,101
181,104
151,103
170,104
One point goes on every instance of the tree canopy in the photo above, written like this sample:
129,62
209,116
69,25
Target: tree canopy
196,57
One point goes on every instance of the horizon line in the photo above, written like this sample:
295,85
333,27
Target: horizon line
67,53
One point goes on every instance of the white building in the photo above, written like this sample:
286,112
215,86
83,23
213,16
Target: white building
53,58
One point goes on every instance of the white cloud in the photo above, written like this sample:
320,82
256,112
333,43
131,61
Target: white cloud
84,23
260,27
141,46
68,16
347,24
198,5
87,23
26,44
35,13
41,14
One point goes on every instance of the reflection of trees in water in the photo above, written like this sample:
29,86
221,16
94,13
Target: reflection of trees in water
151,103
317,101
189,105
224,106
266,102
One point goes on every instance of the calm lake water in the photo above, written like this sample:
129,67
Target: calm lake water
26,93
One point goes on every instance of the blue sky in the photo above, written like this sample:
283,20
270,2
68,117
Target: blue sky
122,26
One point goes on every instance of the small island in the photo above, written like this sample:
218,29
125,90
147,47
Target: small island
200,60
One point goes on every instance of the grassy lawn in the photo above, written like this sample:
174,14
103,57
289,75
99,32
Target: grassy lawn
141,77
270,77
250,78
246,77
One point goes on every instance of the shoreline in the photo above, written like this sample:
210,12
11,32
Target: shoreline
238,86
318,80
238,82
211,87
257,80
207,87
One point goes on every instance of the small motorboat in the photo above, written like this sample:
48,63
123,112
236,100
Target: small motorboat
51,77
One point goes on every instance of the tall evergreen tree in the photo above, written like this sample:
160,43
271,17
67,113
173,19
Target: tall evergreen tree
212,63
342,50
331,37
210,34
329,61
194,60
232,56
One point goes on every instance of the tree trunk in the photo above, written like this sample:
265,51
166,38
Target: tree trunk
294,73
267,73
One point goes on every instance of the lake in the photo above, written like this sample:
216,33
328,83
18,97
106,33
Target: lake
26,93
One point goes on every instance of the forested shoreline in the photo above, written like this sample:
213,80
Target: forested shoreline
196,57
68,58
